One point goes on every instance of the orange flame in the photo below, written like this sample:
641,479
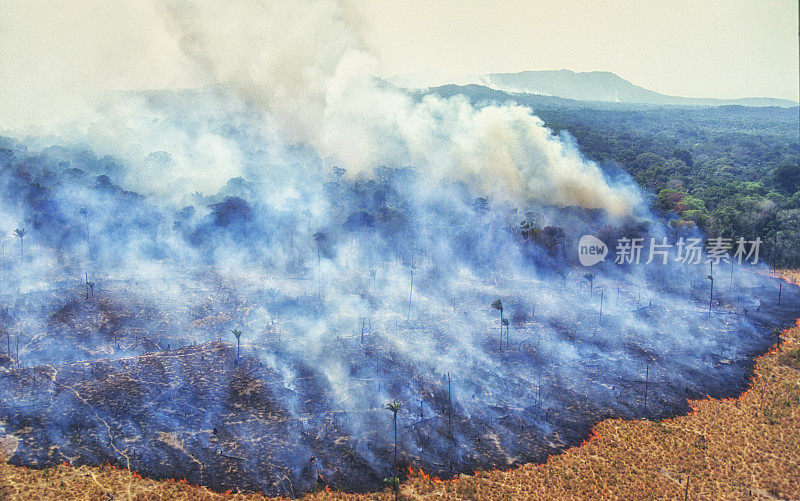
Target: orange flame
418,473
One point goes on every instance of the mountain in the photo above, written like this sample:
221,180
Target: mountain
602,86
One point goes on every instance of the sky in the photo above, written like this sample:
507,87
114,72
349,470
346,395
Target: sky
694,48
56,53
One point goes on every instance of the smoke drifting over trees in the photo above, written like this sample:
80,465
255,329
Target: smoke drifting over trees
294,202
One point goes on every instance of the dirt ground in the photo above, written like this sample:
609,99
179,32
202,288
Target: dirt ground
743,448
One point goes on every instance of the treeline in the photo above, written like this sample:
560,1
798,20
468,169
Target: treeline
733,171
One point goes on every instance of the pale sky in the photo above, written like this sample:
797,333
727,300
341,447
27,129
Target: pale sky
694,48
54,52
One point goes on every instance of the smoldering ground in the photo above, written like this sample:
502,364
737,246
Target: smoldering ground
357,238
349,293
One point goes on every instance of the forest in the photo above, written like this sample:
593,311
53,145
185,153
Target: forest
732,171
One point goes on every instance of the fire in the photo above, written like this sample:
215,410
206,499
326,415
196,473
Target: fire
425,476
593,435
418,473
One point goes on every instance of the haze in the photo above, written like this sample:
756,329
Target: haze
718,49
721,49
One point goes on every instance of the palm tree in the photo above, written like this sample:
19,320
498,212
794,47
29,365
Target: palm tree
394,406
20,232
85,213
504,322
498,305
590,278
237,334
89,287
711,297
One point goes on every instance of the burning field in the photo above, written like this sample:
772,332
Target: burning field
252,285
157,383
738,448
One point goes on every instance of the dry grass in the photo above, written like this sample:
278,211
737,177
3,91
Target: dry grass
745,448
790,275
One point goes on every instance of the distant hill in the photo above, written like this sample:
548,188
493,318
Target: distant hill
602,86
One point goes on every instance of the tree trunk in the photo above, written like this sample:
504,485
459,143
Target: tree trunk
395,443
501,329
711,297
410,295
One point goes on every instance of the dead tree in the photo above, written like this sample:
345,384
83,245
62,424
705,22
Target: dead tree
237,334
394,480
498,305
21,232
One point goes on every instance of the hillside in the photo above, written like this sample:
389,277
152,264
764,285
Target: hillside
741,448
602,86
730,170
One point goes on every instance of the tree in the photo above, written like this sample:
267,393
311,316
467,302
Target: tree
498,305
89,287
786,177
20,232
711,297
237,334
394,406
83,211
590,278
504,322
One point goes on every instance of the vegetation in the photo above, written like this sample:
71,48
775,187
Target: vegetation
732,171
393,481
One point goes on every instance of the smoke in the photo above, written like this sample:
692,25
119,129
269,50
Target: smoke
358,237
303,67
304,64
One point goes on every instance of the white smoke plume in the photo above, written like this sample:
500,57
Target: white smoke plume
304,64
